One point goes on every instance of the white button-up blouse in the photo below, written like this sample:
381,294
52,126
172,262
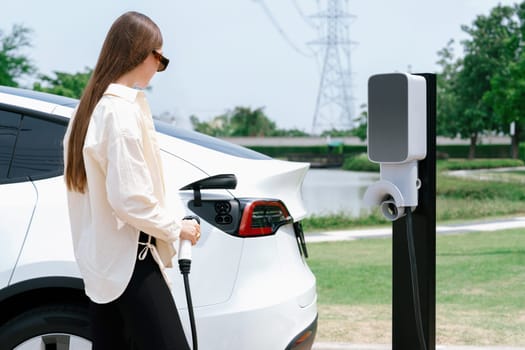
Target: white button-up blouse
124,195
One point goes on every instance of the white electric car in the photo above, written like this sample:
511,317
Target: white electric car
250,283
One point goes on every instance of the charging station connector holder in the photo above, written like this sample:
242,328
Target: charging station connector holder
396,140
395,191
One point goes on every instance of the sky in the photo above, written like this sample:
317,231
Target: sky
228,53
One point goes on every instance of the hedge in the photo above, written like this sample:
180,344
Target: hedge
452,151
482,151
284,151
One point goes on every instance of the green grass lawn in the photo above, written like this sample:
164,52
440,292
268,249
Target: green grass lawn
480,276
480,289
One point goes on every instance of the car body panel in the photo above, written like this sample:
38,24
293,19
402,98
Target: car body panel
46,241
266,255
256,326
217,268
25,102
274,179
270,178
264,309
16,217
33,99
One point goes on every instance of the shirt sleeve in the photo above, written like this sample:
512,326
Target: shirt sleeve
130,189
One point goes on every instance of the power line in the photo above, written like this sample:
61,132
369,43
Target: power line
277,26
305,18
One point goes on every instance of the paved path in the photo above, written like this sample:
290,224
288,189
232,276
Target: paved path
477,226
343,346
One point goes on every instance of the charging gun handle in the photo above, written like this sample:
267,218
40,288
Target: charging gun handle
185,250
184,266
185,245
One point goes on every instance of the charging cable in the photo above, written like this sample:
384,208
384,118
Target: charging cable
415,282
185,266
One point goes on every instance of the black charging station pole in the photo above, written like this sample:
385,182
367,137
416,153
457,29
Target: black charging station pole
404,327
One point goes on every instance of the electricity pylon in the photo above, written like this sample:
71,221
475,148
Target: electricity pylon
334,107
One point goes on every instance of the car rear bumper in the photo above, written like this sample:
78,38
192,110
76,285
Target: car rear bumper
305,339
279,326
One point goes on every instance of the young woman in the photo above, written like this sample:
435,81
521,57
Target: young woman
123,231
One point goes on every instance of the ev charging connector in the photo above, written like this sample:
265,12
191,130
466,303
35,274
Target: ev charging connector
396,140
185,266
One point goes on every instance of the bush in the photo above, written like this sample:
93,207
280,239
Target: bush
466,164
482,151
469,189
286,151
342,221
360,163
443,151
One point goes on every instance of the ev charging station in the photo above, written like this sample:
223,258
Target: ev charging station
402,139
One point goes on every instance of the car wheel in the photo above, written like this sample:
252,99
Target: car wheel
64,327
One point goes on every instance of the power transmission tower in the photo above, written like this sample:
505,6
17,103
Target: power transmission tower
334,107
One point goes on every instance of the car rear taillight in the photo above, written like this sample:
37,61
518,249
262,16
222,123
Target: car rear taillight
263,217
243,217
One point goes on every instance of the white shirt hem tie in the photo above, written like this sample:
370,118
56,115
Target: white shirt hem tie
155,253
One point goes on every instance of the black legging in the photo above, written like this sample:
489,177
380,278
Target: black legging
144,317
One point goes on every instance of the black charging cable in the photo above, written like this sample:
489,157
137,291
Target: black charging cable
413,274
185,266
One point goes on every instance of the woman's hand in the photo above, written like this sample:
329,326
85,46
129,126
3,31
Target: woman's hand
190,230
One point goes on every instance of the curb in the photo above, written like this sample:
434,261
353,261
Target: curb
346,346
477,226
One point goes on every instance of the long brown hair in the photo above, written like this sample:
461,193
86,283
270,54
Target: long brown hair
131,38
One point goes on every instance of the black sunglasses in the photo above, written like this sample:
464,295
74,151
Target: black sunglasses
162,60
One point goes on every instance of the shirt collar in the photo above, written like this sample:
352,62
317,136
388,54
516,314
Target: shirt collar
123,91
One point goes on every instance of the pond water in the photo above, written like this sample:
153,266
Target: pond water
333,191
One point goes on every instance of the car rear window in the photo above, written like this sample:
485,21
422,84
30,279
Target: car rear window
30,145
9,124
208,141
38,150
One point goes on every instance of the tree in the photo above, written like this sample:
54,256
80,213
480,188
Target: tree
64,84
14,65
242,121
361,130
247,122
218,126
486,53
507,94
446,123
